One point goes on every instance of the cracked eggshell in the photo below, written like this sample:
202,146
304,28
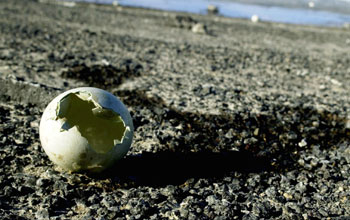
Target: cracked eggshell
86,129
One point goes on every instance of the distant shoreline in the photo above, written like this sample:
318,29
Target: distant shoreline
296,12
340,7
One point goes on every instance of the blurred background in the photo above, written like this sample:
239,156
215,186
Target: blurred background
308,12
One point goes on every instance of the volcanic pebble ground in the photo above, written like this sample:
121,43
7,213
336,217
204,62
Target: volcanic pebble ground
233,119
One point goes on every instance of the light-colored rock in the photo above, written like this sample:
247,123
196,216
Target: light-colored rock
199,28
254,18
212,9
311,4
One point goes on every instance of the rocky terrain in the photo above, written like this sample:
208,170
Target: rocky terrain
233,119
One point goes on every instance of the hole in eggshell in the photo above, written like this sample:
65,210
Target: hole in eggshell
103,128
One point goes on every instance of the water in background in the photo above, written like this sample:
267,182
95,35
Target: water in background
316,12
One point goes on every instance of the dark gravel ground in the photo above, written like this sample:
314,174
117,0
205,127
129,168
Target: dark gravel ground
237,121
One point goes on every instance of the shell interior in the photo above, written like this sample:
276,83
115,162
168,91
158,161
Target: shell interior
102,127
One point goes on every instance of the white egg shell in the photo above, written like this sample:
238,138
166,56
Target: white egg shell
86,129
